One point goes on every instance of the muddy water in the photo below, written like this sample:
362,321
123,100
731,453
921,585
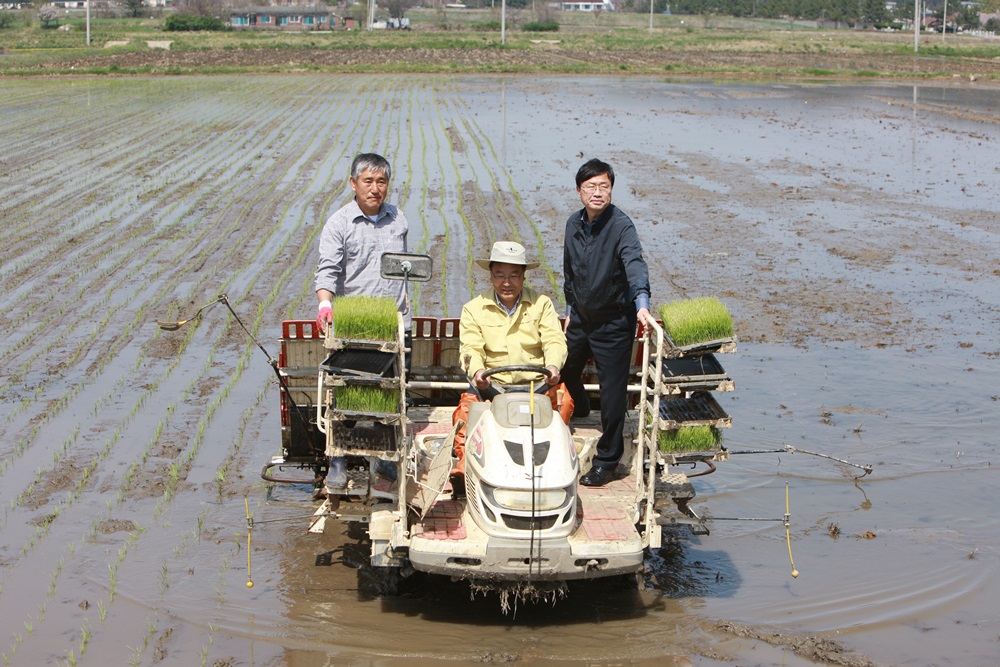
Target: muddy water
851,229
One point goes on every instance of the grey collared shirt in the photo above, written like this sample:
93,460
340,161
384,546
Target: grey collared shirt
510,311
350,253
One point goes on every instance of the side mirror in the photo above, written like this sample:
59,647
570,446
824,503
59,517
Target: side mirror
406,266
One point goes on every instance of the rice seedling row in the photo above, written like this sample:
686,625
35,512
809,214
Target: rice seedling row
176,476
168,494
127,164
61,313
506,220
48,351
163,132
178,470
445,248
144,418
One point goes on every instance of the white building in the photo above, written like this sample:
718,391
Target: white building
587,6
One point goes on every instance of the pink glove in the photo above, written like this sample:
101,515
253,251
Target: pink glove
325,316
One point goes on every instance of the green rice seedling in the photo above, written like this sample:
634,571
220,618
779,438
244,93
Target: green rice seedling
112,581
696,320
365,318
84,639
690,439
367,399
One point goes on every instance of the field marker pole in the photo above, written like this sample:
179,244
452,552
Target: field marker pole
88,22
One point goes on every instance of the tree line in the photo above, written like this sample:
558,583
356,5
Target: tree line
852,13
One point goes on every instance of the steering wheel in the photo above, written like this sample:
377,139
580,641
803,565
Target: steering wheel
540,370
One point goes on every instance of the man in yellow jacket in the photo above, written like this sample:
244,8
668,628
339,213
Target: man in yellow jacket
507,325
510,324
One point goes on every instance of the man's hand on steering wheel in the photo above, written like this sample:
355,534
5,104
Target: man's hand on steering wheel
482,383
547,372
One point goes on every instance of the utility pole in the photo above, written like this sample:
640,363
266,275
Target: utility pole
916,26
944,21
503,22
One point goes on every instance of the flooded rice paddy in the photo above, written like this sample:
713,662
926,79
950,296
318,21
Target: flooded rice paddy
851,229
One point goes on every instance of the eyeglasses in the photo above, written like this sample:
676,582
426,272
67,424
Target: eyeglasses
591,188
508,278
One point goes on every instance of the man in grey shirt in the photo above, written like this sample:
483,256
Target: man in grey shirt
354,238
350,252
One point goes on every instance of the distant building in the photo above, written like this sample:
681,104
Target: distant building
591,6
282,18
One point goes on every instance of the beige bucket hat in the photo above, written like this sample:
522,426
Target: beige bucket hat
508,252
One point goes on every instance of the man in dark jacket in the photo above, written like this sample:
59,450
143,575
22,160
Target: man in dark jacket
607,291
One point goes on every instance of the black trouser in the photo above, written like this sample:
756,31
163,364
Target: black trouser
610,344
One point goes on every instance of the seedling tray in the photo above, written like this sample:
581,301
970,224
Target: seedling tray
699,409
363,438
720,346
359,362
702,373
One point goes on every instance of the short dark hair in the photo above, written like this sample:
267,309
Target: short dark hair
371,161
594,167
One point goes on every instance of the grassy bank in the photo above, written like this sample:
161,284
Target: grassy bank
468,41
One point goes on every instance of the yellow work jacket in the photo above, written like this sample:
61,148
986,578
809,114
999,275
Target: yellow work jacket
491,338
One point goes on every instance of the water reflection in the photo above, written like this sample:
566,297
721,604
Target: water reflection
682,570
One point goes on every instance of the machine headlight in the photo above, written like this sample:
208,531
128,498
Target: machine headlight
521,500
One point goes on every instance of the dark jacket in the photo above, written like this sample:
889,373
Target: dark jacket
603,268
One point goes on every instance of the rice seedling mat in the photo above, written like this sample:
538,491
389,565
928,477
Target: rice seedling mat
695,322
690,440
366,317
391,383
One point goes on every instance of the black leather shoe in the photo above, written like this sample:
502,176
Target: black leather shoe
598,476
